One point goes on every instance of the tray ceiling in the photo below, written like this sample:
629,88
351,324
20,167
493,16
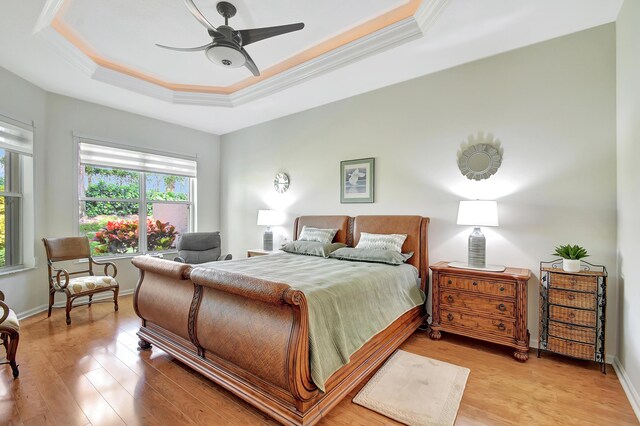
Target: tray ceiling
441,34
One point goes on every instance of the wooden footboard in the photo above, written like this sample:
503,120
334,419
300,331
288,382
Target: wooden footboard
251,335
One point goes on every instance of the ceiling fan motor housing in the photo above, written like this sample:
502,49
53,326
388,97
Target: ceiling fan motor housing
227,51
226,54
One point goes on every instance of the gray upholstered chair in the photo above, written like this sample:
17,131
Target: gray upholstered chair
200,247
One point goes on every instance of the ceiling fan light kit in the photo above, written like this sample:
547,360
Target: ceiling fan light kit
227,45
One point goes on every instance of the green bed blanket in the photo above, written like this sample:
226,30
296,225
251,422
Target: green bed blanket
349,302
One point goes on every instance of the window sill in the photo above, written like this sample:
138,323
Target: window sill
165,254
15,270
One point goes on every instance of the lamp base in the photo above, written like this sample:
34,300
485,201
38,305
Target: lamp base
267,241
489,268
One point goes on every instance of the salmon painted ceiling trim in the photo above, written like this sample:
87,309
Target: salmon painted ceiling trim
400,25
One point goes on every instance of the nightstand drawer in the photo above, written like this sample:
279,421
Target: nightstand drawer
572,332
573,282
573,316
572,298
494,288
471,322
574,349
471,302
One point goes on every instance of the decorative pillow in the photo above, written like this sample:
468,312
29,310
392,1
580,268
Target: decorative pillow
390,257
382,241
317,234
312,248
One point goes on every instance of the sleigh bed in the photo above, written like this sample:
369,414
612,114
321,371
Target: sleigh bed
251,335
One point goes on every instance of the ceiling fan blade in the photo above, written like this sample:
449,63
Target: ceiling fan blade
251,66
257,34
200,17
185,49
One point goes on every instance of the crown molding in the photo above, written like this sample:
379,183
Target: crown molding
396,34
428,12
125,81
66,50
48,13
383,39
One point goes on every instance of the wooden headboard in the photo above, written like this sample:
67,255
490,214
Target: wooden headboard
349,230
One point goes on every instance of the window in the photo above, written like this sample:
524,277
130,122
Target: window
119,189
16,194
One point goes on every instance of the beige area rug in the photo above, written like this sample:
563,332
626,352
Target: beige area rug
415,390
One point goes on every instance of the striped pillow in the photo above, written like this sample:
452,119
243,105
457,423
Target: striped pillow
317,234
382,241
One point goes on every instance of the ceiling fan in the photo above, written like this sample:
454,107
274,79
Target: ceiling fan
227,45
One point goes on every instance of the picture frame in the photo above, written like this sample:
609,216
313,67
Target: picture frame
357,180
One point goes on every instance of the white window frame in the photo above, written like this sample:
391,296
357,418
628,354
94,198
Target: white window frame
17,140
142,200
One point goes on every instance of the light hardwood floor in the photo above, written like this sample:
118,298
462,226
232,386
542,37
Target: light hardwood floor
91,373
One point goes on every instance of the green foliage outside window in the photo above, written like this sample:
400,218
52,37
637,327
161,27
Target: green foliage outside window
103,189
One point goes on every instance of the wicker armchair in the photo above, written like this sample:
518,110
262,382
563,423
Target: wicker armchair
9,334
60,280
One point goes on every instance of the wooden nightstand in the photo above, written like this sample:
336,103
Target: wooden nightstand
490,306
261,252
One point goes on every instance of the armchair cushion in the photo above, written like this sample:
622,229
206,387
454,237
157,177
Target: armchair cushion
11,321
84,284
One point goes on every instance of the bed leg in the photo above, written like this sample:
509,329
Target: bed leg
143,345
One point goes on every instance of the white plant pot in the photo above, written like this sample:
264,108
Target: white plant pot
571,265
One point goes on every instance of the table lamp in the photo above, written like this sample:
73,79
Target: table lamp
477,213
268,218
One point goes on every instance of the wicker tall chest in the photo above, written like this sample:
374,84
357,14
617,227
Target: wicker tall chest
573,311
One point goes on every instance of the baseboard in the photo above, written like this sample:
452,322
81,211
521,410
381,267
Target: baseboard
534,347
98,297
627,386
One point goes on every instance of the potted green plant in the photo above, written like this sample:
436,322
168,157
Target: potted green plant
571,255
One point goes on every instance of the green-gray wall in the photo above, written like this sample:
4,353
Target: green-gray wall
551,105
628,113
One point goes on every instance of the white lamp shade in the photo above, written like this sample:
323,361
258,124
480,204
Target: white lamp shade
478,213
269,217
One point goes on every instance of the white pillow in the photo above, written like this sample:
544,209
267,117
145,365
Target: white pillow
317,234
382,241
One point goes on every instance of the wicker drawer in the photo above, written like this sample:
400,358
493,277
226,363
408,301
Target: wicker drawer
573,316
471,302
471,322
572,332
573,282
572,298
574,349
494,288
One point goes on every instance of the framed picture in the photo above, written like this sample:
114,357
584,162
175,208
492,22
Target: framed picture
356,180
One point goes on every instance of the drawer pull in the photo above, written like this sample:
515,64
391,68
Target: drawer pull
502,327
449,282
572,315
571,297
475,283
450,317
501,307
450,298
501,288
573,281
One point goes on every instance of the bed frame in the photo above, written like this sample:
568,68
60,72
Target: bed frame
251,335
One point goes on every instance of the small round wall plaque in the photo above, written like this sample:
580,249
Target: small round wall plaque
281,182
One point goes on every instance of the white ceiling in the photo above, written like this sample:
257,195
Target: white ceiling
466,30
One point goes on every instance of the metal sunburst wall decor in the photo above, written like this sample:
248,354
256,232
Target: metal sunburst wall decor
480,157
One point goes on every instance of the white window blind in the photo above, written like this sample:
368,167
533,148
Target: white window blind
15,138
117,158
